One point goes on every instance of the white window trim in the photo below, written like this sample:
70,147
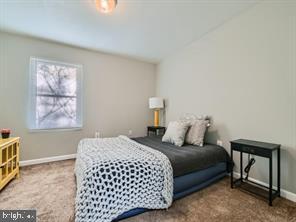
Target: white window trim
33,91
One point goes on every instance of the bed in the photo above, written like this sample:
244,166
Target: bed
194,167
185,170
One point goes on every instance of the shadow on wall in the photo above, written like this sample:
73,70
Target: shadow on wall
163,113
218,132
212,136
288,157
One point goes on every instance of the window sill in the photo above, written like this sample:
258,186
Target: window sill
54,130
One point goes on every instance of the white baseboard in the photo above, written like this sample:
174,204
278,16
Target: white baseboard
284,193
47,160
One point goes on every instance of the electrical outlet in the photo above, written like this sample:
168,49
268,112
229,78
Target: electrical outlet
219,143
130,132
97,135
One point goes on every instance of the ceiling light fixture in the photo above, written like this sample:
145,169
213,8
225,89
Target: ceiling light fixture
106,6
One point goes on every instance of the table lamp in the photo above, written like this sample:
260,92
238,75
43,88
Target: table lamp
156,103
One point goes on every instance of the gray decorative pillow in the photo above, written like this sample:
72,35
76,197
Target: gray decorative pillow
196,132
175,133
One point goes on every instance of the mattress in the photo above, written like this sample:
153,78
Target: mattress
188,158
187,184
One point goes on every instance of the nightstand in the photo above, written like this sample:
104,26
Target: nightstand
259,149
156,130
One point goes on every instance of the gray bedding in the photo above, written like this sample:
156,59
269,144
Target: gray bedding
188,158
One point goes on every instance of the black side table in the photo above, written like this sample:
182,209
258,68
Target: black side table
259,149
156,130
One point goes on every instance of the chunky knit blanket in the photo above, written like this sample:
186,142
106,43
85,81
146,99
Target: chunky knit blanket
115,175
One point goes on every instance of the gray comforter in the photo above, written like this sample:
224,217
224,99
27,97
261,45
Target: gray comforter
188,158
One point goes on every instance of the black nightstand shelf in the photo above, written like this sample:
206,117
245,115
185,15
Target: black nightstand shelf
259,149
255,188
156,130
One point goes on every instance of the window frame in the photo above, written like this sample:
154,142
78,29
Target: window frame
32,126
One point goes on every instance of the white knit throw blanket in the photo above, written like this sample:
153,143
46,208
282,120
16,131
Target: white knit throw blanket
115,175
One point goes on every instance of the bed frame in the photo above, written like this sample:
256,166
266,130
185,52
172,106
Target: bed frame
187,184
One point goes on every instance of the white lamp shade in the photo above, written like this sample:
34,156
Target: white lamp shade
156,103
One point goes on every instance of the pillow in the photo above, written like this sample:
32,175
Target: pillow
191,118
175,133
196,132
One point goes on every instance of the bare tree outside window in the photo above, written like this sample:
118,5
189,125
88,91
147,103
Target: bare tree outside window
56,96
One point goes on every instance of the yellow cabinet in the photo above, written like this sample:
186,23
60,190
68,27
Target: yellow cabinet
9,160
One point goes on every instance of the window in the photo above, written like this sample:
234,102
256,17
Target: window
55,95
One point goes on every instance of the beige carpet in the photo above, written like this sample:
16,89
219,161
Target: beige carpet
50,188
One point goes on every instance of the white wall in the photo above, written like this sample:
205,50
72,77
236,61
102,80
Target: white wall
116,92
243,75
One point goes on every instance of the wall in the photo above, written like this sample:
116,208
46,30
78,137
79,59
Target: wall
243,75
116,92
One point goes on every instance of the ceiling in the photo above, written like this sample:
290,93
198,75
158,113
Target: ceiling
148,30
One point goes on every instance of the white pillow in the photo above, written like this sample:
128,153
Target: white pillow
175,133
196,132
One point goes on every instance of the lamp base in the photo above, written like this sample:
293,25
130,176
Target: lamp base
156,117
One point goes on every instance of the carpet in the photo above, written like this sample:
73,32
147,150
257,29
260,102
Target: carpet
50,189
